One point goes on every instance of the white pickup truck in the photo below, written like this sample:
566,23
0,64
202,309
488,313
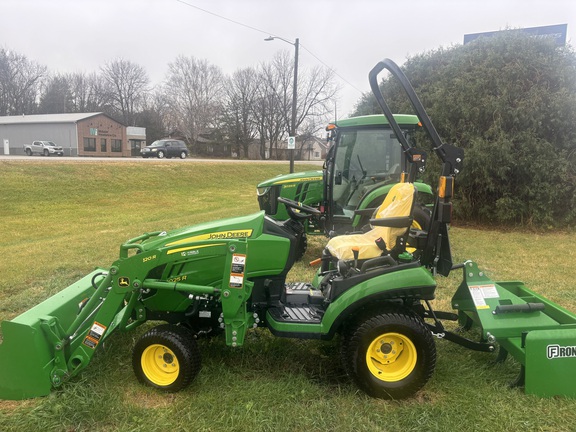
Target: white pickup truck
44,148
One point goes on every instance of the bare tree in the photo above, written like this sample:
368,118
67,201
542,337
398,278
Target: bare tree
269,117
90,93
316,92
57,96
21,82
238,118
128,84
155,116
195,89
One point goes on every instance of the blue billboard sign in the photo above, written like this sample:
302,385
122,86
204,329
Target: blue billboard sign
555,32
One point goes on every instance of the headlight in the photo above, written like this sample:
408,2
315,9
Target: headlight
154,150
262,190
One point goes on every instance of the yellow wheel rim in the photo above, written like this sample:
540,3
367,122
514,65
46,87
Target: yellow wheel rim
160,365
391,357
415,225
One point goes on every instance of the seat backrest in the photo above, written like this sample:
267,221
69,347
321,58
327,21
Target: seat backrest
399,202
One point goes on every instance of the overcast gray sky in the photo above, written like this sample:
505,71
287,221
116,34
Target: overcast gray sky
350,36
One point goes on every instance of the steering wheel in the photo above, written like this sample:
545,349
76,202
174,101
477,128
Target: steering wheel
291,205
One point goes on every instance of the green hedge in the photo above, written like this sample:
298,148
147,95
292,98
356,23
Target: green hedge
510,102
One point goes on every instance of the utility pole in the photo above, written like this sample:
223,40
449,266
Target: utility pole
292,131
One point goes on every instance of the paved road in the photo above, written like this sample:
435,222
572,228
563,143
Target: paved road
56,159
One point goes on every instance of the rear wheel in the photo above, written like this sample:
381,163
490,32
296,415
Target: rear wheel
166,357
390,355
183,155
422,216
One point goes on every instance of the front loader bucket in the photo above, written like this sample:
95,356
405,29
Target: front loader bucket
31,349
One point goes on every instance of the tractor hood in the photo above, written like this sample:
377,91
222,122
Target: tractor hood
299,177
226,229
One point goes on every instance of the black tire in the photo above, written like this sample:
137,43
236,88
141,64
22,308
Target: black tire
183,155
160,154
301,247
422,216
166,357
46,153
391,355
29,152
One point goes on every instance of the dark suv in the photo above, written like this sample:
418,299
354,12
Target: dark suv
165,148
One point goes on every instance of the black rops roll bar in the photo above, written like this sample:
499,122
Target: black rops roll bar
452,157
436,254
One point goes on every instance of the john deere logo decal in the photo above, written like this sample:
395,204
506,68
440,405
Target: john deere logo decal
557,351
220,235
230,234
123,281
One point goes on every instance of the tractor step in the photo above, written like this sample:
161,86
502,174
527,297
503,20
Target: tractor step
302,314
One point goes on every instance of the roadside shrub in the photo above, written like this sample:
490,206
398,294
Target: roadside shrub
510,102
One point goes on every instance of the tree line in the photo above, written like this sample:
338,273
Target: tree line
195,99
510,102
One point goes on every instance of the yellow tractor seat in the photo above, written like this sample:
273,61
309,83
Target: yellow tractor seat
399,203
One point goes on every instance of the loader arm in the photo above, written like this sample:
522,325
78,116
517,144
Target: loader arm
55,340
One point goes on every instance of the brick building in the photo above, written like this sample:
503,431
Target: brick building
80,134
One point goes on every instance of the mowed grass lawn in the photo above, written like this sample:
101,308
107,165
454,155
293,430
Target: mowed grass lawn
60,220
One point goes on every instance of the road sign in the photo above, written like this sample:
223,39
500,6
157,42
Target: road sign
291,143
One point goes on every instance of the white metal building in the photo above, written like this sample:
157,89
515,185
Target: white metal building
80,134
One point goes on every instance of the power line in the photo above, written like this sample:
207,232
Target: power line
225,18
333,70
270,34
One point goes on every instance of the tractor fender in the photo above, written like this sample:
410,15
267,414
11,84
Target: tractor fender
376,196
413,283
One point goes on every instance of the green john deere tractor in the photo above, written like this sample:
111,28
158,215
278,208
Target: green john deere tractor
229,277
363,163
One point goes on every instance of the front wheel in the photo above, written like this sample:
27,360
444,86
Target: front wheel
390,355
46,153
29,152
166,357
182,155
160,155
